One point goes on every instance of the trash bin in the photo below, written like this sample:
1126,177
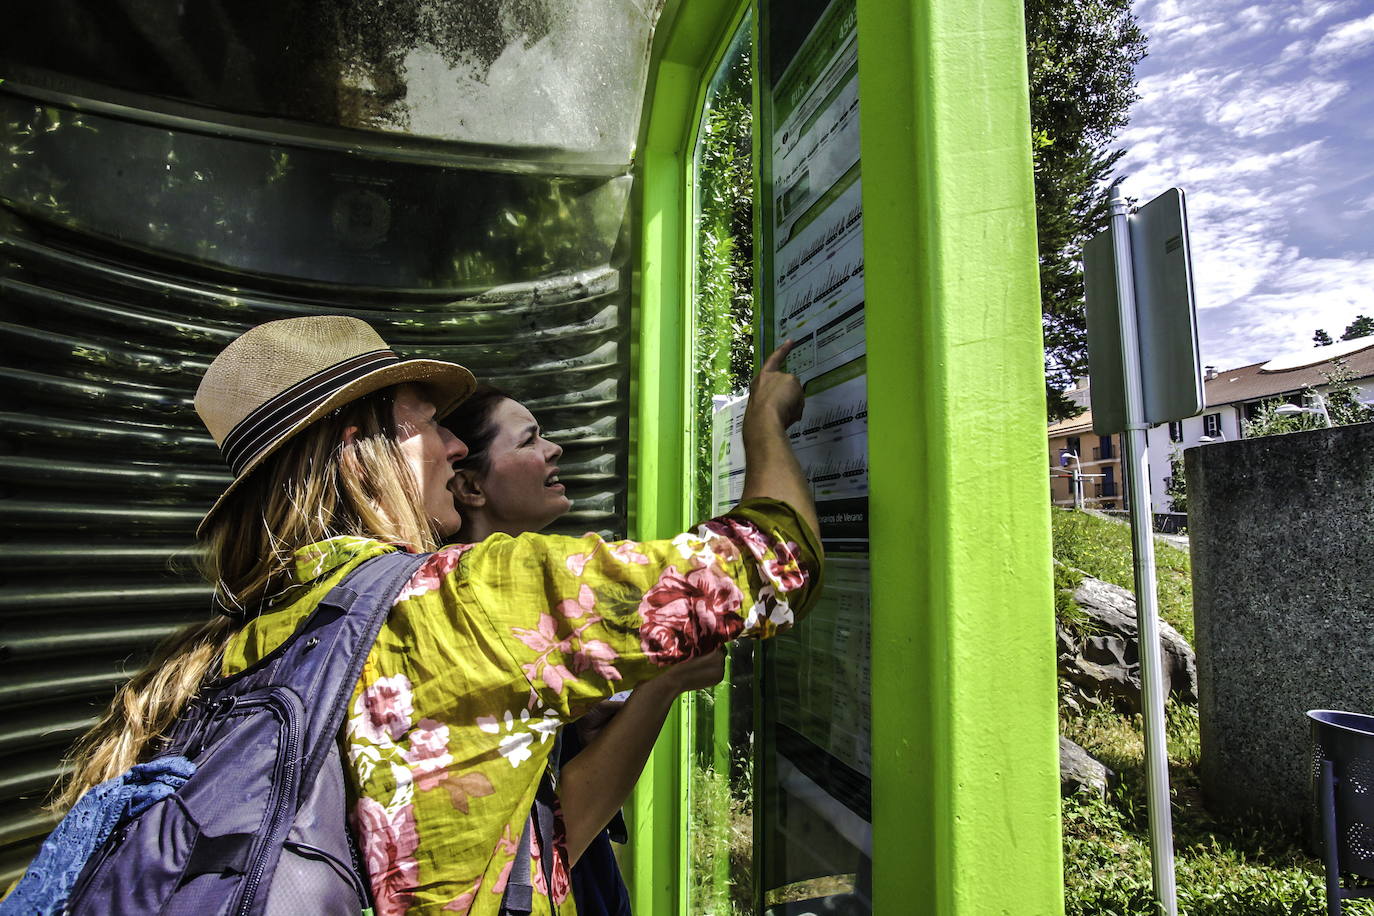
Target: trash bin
1342,819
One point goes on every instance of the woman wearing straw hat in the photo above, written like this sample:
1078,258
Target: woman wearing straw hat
489,648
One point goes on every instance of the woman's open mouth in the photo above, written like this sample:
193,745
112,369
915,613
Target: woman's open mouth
553,483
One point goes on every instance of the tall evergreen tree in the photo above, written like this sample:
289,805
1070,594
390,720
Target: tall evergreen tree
1081,57
1362,326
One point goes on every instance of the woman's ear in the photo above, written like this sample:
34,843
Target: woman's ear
467,489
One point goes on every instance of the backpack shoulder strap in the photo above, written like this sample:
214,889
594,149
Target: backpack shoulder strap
326,656
518,899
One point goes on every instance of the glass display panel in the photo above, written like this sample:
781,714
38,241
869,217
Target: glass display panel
814,817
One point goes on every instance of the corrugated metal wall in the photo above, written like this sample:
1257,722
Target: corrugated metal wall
132,248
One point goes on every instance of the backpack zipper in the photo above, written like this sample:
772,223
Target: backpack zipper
87,875
281,705
314,852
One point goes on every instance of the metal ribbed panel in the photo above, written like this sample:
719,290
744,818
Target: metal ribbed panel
117,287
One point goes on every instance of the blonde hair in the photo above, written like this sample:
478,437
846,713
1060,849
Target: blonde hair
324,482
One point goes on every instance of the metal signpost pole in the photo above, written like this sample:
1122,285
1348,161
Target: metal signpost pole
1142,531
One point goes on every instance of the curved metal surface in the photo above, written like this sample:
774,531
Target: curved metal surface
130,254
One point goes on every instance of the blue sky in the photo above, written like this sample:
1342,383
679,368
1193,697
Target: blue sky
1264,114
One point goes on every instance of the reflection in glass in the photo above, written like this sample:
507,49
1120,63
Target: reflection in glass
721,789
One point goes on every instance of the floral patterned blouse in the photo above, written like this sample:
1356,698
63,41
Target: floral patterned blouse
490,649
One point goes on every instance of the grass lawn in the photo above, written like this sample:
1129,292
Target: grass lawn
1102,549
1222,869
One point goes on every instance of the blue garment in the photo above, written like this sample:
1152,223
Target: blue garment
597,885
48,882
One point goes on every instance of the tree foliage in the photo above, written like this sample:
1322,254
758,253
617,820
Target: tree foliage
724,299
1176,488
1081,58
1362,326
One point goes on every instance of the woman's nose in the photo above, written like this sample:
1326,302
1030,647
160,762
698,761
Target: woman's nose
556,452
455,448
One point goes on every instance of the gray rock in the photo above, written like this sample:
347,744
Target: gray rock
1104,661
1079,771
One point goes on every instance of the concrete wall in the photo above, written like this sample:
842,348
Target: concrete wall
1282,532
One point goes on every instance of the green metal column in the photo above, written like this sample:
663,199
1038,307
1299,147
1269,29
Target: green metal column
688,36
964,710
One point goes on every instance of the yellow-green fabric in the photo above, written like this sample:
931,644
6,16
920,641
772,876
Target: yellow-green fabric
490,648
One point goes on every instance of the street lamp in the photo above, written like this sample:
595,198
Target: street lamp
1293,410
1064,456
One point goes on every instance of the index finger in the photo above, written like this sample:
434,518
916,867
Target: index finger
775,359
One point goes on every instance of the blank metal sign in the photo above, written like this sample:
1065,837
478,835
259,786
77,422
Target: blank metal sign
1162,265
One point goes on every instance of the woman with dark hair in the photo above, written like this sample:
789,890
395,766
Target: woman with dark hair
490,647
508,483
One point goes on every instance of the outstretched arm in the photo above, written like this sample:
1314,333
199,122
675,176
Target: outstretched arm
770,468
595,783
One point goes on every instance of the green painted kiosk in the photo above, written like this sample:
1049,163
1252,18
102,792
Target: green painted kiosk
534,188
903,756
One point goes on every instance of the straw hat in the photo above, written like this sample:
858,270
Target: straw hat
279,377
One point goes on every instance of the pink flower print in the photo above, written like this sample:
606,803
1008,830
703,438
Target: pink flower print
785,572
508,846
598,656
719,541
431,572
382,712
688,615
741,532
623,551
463,902
562,881
467,786
572,608
555,676
545,641
388,843
628,552
544,638
428,756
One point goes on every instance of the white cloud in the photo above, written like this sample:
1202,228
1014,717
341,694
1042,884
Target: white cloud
1254,19
1260,110
1346,37
1281,316
1183,87
1225,171
1309,14
1167,22
1235,110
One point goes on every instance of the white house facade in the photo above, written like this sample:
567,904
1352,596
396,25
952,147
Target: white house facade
1235,395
